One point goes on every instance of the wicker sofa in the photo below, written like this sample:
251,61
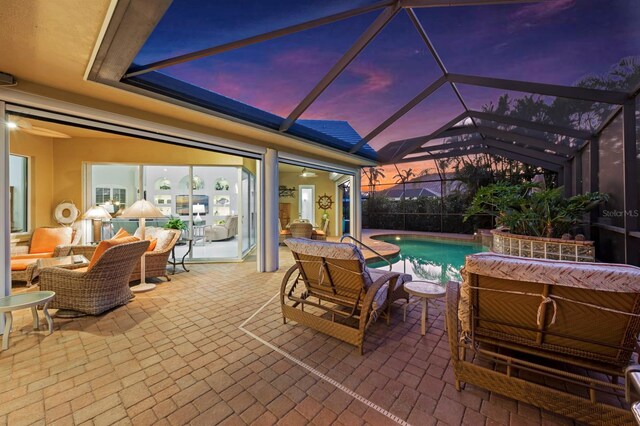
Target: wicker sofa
43,243
95,289
332,278
544,326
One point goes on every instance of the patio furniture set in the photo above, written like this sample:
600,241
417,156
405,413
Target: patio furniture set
90,279
304,229
543,328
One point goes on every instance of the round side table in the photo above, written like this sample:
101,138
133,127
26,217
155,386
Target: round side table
426,292
23,301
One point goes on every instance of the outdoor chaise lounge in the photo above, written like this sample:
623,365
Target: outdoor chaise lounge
531,329
101,286
331,289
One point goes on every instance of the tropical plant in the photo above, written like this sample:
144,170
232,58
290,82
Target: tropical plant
176,223
527,209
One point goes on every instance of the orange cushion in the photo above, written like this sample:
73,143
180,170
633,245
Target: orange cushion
121,233
45,240
32,256
21,264
106,245
284,232
321,233
153,242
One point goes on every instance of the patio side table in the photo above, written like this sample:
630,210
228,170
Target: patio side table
23,301
426,292
181,242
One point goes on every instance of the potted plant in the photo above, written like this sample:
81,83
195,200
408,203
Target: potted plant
539,222
176,223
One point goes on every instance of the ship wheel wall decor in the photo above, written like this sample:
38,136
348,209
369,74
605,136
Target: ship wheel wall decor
325,201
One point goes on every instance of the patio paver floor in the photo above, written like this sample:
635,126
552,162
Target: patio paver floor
177,355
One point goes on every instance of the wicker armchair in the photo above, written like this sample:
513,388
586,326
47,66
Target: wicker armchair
533,319
99,288
156,261
321,234
301,229
331,280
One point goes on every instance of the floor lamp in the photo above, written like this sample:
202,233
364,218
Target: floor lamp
96,214
142,209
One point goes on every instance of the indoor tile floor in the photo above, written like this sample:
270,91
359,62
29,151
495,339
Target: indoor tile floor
210,347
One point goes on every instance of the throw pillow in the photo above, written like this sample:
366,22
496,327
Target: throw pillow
121,233
106,245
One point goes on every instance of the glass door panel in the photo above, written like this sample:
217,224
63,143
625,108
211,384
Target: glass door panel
115,187
215,192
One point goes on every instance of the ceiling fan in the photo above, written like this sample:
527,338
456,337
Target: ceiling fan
306,174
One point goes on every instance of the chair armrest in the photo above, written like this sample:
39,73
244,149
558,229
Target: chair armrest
50,276
451,318
391,278
16,250
85,250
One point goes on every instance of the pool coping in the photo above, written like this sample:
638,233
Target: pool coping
389,250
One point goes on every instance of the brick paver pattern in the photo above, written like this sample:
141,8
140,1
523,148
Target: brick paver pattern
176,355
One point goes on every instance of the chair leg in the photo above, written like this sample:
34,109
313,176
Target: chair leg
167,277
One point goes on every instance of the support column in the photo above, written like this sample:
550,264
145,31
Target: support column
270,183
5,225
630,173
577,173
566,179
356,203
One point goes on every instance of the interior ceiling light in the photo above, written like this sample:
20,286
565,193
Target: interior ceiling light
27,127
306,174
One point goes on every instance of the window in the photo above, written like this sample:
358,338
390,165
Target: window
116,195
18,193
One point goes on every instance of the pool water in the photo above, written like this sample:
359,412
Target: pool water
428,259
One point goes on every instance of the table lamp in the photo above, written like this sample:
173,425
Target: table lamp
142,209
198,208
96,214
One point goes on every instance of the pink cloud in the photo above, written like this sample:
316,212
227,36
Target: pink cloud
535,14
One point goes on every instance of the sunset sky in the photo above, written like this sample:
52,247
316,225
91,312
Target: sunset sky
551,42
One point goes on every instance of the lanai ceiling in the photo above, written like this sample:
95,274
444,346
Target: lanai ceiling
414,79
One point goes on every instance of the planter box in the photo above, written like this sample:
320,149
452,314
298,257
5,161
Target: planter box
542,248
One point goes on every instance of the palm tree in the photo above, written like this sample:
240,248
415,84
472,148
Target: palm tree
404,176
374,176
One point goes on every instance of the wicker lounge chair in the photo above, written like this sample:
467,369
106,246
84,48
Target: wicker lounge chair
542,322
332,280
98,288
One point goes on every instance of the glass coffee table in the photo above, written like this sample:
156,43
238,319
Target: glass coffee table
426,292
24,301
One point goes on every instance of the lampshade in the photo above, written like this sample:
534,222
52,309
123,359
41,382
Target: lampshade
142,209
198,208
96,213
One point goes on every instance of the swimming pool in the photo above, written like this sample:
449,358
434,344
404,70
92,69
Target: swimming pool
428,259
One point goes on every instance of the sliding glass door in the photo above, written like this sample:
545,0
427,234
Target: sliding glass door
216,204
